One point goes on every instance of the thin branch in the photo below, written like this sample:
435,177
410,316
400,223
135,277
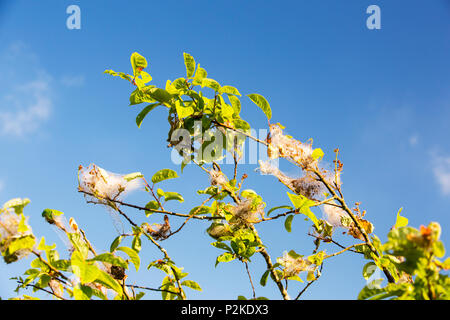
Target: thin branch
192,215
150,289
295,211
164,252
42,289
309,283
155,210
354,219
342,251
250,278
56,271
269,264
241,132
333,241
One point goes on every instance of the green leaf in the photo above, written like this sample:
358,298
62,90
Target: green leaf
167,284
303,204
261,102
140,295
37,263
115,243
141,116
191,284
225,257
109,282
199,75
200,210
221,245
294,254
264,277
136,244
145,77
52,256
159,94
132,176
42,246
164,174
49,215
401,221
369,269
62,264
119,74
211,83
183,111
238,246
23,227
139,96
17,204
288,223
81,292
235,104
137,61
152,205
438,248
241,125
229,90
79,244
226,111
372,290
279,207
297,278
85,271
190,64
446,264
310,276
25,243
160,192
133,256
110,258
168,195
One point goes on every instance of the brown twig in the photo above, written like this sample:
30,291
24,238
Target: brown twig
269,264
150,289
250,278
155,210
309,283
42,289
192,215
354,219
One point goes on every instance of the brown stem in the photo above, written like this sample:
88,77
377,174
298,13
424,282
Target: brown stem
355,221
250,278
150,289
269,264
154,210
309,284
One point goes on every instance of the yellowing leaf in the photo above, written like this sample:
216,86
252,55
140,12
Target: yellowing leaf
261,102
401,221
189,61
303,204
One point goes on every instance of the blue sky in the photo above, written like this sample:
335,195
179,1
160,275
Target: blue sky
381,96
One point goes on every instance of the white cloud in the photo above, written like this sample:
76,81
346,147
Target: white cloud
413,140
25,108
441,170
26,93
72,81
